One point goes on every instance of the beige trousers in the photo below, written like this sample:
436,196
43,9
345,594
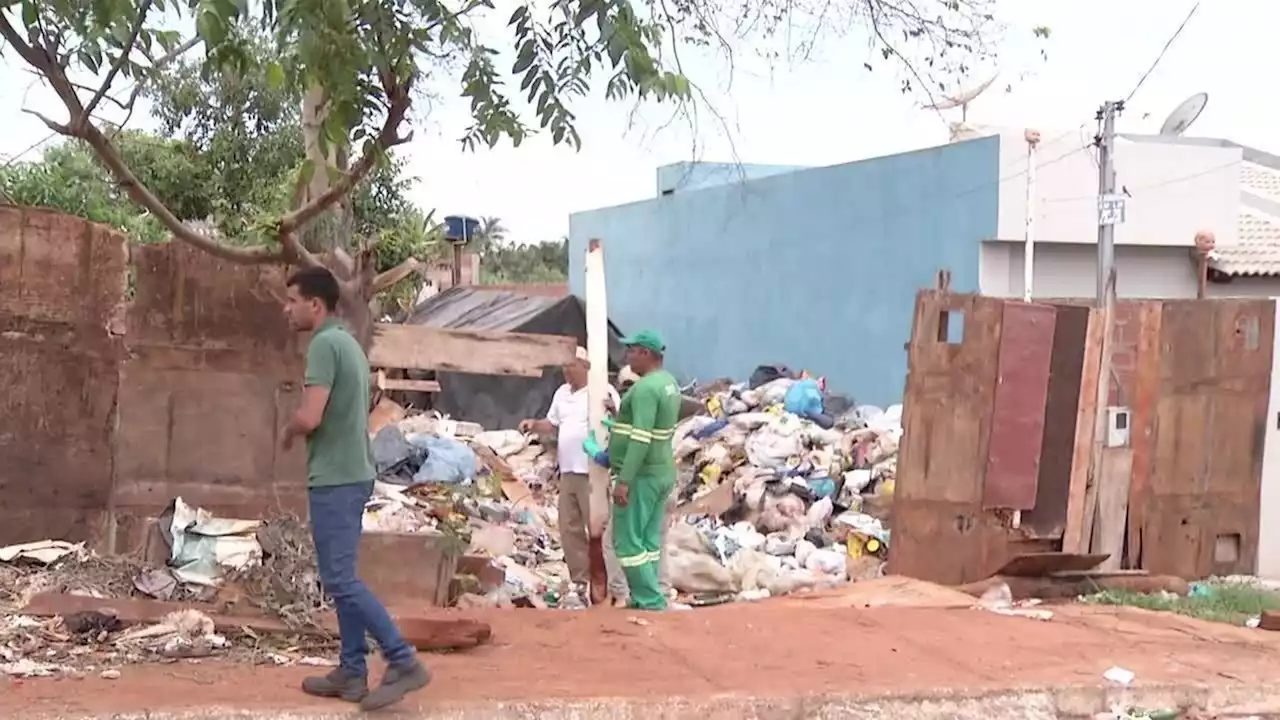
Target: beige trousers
575,516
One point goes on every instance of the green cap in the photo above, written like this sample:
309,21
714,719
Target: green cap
647,339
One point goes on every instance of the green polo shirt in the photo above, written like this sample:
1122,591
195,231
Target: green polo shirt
338,450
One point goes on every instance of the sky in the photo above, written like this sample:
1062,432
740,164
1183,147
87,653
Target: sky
827,109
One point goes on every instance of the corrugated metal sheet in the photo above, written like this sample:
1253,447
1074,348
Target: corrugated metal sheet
478,309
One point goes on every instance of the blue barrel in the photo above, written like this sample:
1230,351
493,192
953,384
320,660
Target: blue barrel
460,229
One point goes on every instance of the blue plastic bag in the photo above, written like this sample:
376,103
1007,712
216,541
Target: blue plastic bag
803,398
447,460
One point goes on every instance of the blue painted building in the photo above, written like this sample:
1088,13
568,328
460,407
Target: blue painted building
810,267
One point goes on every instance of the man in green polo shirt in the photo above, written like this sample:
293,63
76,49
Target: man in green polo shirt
643,468
334,418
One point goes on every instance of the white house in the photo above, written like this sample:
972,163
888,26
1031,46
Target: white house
1175,187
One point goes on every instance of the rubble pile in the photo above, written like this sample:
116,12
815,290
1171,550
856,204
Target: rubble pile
55,566
779,495
100,640
492,491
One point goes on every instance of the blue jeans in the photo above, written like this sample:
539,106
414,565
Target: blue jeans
336,514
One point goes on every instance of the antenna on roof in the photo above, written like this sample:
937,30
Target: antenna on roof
961,100
1183,115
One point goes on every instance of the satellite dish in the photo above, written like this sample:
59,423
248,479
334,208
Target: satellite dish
961,100
1185,114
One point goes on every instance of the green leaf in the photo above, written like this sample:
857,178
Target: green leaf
525,59
30,16
275,76
307,171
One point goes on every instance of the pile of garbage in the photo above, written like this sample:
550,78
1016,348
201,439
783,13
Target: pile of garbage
782,488
778,494
492,491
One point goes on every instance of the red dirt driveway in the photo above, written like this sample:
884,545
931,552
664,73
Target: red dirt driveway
772,649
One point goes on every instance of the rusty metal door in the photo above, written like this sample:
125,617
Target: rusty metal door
1203,482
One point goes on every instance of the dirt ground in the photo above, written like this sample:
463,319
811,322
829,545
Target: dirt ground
766,649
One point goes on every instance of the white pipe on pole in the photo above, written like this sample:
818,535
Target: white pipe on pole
1029,254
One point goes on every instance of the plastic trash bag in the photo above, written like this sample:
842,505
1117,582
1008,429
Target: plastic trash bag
691,566
803,398
774,444
447,460
391,450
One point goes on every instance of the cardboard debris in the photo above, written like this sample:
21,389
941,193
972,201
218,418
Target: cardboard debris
43,552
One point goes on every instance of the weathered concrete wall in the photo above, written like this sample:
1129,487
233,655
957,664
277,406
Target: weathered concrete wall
112,409
62,289
212,370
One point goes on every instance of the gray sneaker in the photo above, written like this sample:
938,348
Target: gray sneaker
339,683
398,681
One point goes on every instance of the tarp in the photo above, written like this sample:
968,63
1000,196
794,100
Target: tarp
499,402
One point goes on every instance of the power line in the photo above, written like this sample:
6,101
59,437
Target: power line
1163,50
1152,186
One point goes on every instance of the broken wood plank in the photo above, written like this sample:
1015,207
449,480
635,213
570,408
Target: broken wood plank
1113,505
1040,564
1061,588
1142,422
424,633
385,413
1075,538
386,383
483,352
513,488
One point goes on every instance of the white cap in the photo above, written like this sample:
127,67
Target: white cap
627,375
581,354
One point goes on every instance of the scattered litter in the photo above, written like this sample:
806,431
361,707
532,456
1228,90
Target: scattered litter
999,599
1119,675
43,552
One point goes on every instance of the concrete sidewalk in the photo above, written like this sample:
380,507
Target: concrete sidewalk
1219,702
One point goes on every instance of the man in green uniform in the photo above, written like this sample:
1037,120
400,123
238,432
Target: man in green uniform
643,468
334,419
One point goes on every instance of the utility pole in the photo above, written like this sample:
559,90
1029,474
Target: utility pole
1110,213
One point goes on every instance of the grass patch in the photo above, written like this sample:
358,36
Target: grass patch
1226,602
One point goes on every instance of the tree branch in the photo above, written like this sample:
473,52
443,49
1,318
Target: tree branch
397,107
146,199
47,65
119,64
384,280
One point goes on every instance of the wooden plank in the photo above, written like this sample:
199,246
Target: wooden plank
483,352
1113,505
1074,537
1048,519
386,383
441,632
1142,422
1051,563
1017,411
597,326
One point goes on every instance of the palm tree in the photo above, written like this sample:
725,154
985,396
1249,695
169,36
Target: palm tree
491,233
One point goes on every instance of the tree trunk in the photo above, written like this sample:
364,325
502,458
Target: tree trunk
334,228
353,308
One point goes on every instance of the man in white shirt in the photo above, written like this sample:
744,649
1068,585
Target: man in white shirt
568,420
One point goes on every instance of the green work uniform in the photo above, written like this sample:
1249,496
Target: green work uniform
338,451
640,457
